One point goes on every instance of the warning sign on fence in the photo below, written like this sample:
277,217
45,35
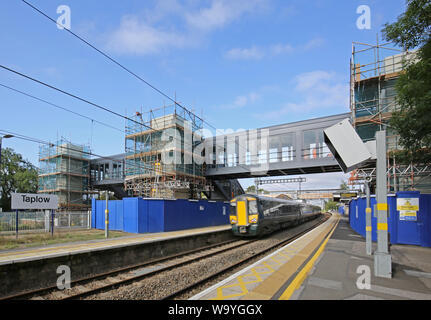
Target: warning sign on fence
408,208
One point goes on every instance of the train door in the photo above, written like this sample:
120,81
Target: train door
241,211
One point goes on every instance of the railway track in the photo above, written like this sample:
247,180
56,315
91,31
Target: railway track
235,265
93,284
106,282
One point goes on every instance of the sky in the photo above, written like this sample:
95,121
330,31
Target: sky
240,64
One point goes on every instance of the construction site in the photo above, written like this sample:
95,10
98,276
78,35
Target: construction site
160,158
374,70
165,150
64,171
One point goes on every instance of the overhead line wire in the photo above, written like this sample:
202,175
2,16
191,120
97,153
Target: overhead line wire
70,94
50,144
111,59
60,107
123,67
118,64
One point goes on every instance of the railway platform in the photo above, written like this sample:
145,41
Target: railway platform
36,253
32,268
328,263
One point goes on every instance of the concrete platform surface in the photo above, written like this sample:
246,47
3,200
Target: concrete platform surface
262,280
345,272
56,250
328,263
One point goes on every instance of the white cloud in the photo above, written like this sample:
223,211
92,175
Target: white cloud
220,13
171,24
243,101
308,80
258,53
314,43
252,53
317,90
281,49
137,37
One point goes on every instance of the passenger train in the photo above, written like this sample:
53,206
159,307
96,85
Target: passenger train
255,215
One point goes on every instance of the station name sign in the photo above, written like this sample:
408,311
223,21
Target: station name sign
34,201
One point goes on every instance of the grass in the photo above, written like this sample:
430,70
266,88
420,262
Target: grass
8,242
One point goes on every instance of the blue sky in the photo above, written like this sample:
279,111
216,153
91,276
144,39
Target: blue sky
241,64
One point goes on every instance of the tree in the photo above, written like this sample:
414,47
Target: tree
102,196
331,205
252,189
16,175
343,185
412,121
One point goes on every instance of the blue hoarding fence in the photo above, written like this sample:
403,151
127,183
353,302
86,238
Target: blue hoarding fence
409,217
138,215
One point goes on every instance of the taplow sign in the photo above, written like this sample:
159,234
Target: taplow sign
34,201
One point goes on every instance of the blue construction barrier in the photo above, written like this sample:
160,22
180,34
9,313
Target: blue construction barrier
137,215
412,229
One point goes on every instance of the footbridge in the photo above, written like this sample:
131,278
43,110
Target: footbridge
287,149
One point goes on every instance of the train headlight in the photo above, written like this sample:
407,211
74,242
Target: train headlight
252,218
232,219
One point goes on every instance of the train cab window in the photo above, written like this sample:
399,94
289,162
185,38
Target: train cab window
252,207
233,208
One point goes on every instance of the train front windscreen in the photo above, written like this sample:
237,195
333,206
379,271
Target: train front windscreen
244,212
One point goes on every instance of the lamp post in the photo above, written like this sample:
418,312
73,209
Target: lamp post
6,136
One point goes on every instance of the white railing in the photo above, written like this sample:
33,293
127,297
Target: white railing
40,221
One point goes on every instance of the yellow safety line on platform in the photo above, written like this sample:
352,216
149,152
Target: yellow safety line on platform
299,279
268,267
241,283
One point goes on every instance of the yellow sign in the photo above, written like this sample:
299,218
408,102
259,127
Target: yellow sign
348,195
408,213
408,204
408,208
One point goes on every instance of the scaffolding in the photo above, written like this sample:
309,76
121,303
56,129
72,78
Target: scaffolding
162,160
64,171
374,70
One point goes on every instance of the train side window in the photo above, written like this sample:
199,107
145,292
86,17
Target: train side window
266,208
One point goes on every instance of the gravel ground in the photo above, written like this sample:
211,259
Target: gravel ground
162,284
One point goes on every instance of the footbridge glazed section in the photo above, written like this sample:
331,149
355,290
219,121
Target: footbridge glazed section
286,149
